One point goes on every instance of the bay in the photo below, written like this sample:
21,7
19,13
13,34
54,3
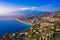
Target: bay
9,25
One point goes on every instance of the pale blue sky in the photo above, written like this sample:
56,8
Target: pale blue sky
41,5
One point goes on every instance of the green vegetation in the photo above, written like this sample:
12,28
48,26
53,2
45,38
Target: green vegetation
58,36
41,29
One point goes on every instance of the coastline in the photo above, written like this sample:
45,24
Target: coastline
23,22
18,27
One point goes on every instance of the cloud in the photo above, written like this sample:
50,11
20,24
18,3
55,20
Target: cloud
26,8
11,9
48,7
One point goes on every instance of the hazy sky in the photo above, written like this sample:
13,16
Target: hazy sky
41,5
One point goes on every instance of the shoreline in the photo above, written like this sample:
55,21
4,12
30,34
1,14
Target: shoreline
23,22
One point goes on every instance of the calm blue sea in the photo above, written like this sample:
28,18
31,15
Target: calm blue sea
9,25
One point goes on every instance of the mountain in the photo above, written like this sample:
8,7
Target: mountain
56,14
27,12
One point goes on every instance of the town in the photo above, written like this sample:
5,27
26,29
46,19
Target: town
44,28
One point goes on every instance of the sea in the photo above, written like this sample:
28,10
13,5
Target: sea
10,25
